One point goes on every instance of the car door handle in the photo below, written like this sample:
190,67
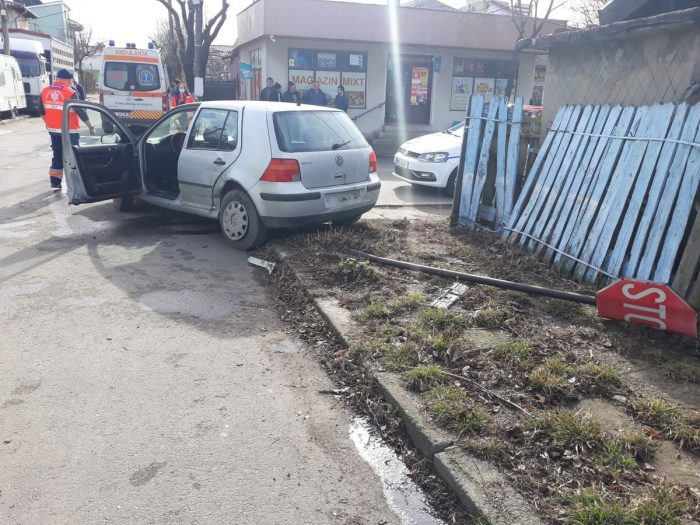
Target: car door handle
220,162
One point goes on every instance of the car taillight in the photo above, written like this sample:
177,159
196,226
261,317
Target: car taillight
282,170
165,102
372,162
102,98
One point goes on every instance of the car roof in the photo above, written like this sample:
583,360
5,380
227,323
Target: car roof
263,105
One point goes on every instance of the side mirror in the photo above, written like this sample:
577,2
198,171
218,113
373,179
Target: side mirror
110,139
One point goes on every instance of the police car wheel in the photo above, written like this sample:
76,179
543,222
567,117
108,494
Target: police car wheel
125,203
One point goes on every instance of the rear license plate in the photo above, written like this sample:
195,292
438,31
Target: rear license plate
401,163
336,199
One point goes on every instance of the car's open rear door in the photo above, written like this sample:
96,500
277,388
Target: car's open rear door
101,166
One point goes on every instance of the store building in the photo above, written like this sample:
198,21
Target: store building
417,66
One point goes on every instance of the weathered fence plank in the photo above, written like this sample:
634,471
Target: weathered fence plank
670,191
655,193
534,171
680,215
563,205
476,110
562,179
482,168
599,185
639,192
501,159
512,162
607,119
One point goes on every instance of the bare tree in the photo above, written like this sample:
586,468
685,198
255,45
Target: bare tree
182,13
587,10
84,47
168,50
529,18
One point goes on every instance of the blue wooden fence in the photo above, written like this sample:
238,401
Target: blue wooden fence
612,194
486,121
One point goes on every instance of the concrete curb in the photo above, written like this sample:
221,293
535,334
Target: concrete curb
479,485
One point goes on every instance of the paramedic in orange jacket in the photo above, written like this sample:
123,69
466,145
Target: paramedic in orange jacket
51,109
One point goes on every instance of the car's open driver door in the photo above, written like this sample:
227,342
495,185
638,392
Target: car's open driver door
101,166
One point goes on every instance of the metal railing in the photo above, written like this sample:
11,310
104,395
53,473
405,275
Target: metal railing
383,103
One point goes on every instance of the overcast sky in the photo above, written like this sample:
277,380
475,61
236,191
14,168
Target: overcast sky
136,20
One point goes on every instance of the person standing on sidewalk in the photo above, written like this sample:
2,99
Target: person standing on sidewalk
51,109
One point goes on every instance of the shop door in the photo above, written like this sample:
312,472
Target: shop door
415,90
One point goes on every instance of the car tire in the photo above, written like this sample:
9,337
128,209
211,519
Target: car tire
240,222
451,184
347,221
125,203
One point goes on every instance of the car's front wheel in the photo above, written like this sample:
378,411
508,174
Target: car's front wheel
451,184
240,222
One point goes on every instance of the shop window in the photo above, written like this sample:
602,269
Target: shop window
478,76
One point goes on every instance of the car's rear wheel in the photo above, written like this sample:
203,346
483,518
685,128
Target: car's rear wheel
346,221
240,222
125,203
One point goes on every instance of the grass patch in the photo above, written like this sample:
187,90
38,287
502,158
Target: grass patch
615,455
551,377
375,310
406,302
489,448
423,377
491,317
638,445
452,408
663,506
589,507
515,352
400,357
575,312
571,429
601,375
442,320
682,372
668,418
353,270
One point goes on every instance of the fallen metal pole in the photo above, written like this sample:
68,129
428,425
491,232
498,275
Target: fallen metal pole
480,279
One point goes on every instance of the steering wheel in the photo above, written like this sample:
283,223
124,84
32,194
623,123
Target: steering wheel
177,141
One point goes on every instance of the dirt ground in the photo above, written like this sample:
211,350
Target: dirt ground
593,420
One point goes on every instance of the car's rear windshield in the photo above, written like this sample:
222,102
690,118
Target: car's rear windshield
130,76
299,131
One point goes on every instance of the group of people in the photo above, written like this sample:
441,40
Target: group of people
272,92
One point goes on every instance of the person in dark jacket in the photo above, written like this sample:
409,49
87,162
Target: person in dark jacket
315,96
79,90
291,95
277,93
268,92
341,100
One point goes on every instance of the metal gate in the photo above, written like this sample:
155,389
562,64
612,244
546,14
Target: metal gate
220,90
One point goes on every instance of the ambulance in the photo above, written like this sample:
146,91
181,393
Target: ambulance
133,84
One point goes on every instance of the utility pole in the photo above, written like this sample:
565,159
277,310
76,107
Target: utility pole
5,29
198,80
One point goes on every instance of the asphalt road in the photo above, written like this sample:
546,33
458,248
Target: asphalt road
146,377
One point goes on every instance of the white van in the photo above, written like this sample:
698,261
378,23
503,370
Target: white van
133,84
12,97
32,63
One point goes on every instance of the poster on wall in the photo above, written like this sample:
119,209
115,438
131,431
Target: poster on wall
303,79
461,91
326,60
419,85
484,86
329,80
355,85
501,87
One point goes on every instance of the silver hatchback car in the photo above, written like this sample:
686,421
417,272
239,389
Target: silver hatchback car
251,165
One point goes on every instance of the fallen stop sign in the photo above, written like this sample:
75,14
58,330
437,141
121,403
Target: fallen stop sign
648,304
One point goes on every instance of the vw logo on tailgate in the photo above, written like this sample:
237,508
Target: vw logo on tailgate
339,160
